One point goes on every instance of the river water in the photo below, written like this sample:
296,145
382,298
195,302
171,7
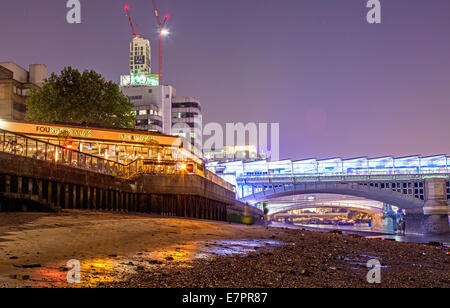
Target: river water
372,233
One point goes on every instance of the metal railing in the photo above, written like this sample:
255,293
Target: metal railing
219,181
24,146
158,167
333,178
20,145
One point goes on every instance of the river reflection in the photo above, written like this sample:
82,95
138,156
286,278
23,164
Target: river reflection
235,247
373,233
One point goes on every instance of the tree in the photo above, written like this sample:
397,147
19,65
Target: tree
80,98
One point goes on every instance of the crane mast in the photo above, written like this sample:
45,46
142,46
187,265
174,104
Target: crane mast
133,29
161,25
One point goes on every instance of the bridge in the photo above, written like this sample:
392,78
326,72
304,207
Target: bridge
419,185
355,204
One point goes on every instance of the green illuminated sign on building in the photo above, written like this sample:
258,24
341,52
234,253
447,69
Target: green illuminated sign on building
139,80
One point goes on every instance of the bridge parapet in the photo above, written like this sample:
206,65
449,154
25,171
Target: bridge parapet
335,178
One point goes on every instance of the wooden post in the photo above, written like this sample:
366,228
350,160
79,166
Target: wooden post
8,183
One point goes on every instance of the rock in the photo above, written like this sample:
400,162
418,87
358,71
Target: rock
112,256
436,244
14,258
336,232
20,277
305,272
31,266
170,258
154,262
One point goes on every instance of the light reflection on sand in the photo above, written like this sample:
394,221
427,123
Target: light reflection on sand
97,271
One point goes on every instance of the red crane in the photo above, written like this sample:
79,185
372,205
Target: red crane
162,32
133,29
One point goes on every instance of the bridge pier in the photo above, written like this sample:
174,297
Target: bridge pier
435,210
414,221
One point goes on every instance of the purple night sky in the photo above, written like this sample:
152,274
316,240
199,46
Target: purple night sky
337,85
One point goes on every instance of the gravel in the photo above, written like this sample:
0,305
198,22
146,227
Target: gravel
306,260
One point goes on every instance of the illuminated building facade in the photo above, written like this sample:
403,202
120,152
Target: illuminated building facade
412,165
153,107
245,153
119,145
140,57
15,83
156,106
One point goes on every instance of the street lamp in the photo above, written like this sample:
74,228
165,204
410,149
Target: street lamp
165,32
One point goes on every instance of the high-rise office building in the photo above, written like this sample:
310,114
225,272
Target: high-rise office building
156,106
140,57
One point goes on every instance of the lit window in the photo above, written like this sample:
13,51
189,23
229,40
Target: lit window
142,112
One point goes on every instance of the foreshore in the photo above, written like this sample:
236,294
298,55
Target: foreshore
124,250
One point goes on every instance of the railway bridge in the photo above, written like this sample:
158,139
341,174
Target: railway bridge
419,185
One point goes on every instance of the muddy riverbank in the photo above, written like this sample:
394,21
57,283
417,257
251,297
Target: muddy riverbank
121,250
308,259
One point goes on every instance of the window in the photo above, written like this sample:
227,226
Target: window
133,98
19,107
155,122
142,112
142,122
184,115
186,105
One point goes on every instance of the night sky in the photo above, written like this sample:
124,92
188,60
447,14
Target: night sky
337,85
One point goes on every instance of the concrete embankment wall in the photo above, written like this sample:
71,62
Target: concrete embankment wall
243,213
29,184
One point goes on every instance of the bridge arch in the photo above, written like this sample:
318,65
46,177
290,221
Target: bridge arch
384,195
340,205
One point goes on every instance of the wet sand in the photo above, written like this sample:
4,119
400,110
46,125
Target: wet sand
121,250
104,243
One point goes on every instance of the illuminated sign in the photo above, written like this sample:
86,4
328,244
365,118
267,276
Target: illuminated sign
138,138
84,133
139,80
69,131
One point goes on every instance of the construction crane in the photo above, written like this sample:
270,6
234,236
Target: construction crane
162,32
133,29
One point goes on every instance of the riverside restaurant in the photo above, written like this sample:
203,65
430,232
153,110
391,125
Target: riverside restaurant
119,145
